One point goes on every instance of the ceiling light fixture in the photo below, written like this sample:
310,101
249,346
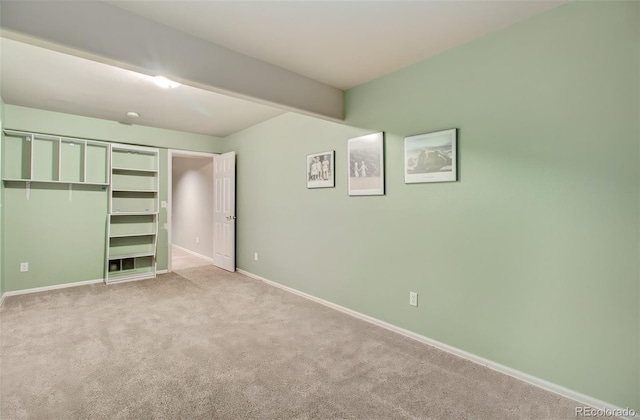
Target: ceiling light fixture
165,83
132,114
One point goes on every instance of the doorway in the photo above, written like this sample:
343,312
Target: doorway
201,220
190,212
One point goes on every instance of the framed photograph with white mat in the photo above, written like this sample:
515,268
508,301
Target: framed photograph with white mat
366,164
321,170
431,157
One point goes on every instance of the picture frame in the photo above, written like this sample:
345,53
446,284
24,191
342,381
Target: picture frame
321,170
365,157
431,157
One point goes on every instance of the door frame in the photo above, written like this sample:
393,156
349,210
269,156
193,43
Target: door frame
170,156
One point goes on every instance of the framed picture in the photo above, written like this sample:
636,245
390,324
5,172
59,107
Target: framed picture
320,170
366,164
431,157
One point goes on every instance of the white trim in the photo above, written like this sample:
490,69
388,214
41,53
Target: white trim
195,254
125,146
2,299
47,288
162,271
142,276
540,383
168,209
188,153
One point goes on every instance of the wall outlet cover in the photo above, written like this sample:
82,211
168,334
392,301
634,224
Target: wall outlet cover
413,299
24,267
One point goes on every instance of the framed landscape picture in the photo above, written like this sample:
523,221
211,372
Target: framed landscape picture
431,157
366,164
320,170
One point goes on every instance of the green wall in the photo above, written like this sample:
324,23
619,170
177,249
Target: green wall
64,240
530,260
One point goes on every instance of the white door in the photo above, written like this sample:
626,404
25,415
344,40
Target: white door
224,214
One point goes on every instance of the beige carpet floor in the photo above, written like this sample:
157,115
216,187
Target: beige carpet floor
180,259
204,343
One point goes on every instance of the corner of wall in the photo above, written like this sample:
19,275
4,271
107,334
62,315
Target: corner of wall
1,203
638,300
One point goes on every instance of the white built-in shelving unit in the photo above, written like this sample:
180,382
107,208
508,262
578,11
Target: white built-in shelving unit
132,228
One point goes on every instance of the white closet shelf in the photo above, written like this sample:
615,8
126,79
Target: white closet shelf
53,182
127,235
146,213
76,140
131,255
132,213
124,169
133,190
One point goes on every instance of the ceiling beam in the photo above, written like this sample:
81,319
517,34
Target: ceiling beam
108,34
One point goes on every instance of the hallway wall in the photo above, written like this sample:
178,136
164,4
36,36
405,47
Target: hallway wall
192,204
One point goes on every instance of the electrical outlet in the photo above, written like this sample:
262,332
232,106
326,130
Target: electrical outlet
413,299
24,267
255,256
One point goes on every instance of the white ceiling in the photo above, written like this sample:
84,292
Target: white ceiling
36,77
339,43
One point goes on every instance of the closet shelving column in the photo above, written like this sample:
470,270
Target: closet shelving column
132,231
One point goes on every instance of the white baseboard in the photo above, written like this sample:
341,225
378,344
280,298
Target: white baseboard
139,277
540,383
195,254
54,287
64,286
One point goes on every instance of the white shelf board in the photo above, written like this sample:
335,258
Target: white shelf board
132,190
118,278
129,169
138,255
133,213
54,182
133,234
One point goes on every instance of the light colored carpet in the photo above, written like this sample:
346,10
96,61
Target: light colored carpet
206,343
180,259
